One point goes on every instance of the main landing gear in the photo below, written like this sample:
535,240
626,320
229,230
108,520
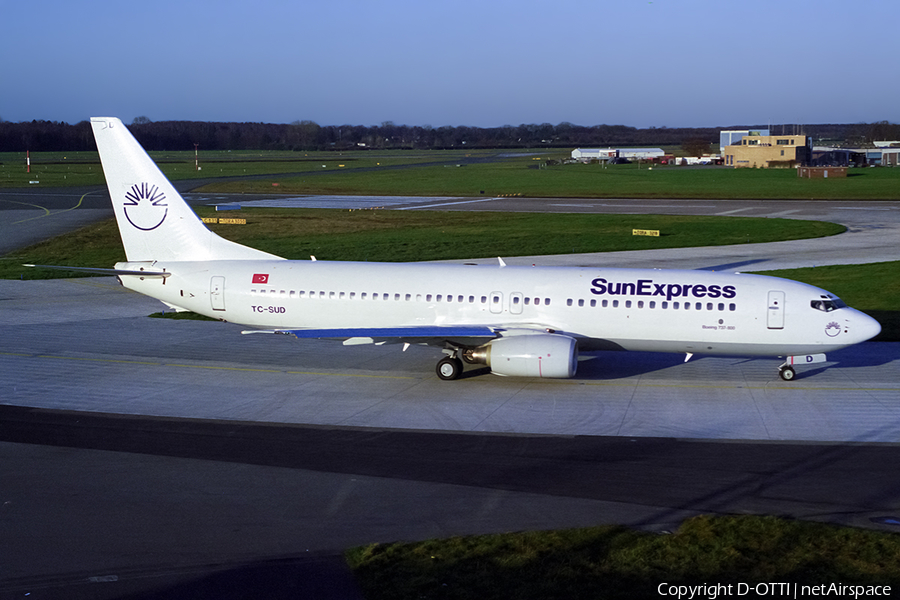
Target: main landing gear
449,368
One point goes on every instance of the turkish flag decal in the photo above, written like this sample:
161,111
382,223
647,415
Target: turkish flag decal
260,278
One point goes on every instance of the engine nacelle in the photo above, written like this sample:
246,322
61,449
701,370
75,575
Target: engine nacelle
537,355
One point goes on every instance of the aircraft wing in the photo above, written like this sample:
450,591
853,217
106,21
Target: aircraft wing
426,334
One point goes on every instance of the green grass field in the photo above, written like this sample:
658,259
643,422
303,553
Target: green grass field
522,176
615,562
519,172
60,169
395,236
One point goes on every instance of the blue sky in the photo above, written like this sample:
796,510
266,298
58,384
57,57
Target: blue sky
484,63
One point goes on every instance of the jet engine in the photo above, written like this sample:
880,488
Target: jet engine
534,355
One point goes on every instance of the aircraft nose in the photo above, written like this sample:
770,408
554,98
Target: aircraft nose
864,327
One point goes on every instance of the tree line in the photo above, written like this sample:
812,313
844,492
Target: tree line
48,136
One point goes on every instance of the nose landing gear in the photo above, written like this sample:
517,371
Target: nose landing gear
787,373
786,370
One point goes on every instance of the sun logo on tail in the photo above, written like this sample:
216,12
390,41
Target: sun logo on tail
145,208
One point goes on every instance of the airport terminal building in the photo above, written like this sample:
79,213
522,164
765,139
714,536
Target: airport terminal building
769,151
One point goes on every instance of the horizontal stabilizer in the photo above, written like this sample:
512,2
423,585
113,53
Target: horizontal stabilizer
103,271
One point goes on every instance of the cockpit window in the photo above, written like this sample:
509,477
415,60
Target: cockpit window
827,304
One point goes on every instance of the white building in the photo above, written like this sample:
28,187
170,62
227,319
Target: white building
594,153
586,154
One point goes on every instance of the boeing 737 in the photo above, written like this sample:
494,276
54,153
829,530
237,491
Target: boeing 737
519,321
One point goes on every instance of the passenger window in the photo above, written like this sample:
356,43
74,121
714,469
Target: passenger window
547,301
652,304
427,297
721,306
438,298
341,296
593,303
387,297
293,293
732,307
605,303
640,304
628,304
471,299
408,297
527,301
569,302
460,298
484,299
615,303
515,300
362,296
537,301
581,303
709,306
665,304
396,296
699,306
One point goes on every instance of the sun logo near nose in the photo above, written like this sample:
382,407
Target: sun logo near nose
145,206
832,329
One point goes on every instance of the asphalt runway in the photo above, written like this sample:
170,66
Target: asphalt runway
141,455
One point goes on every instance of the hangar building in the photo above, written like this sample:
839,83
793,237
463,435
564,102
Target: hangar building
585,154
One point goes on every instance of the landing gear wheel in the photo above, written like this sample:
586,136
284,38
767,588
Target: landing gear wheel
449,368
787,373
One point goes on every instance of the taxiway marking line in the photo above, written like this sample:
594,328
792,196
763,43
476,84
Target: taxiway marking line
448,203
46,210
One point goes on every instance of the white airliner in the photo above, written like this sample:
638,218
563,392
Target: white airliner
520,321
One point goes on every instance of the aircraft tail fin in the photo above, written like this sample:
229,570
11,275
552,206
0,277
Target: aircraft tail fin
154,220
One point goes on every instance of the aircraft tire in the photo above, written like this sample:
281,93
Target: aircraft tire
449,368
787,373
